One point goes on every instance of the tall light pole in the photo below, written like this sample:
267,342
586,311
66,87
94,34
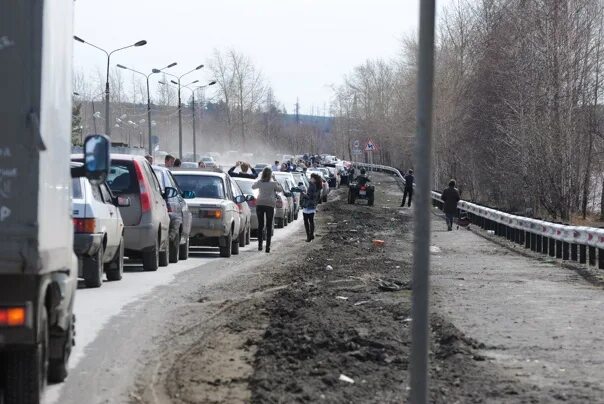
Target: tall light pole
211,83
177,82
139,43
153,71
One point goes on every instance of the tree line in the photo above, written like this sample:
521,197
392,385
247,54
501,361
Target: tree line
517,110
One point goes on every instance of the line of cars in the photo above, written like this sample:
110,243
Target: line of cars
155,214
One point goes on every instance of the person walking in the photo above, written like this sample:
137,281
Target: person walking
309,208
267,185
169,161
450,197
409,181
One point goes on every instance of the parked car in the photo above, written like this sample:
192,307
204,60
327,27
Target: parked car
301,180
260,167
282,208
245,213
189,164
292,187
180,216
146,220
209,162
98,231
214,208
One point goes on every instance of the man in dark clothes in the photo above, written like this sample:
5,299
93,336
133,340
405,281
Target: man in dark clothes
450,197
245,171
409,181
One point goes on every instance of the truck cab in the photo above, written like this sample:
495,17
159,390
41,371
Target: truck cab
38,268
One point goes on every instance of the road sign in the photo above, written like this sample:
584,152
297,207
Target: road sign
370,146
356,144
357,151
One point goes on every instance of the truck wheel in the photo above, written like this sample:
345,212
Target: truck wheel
184,250
26,370
175,249
57,367
226,250
115,269
163,255
93,269
151,258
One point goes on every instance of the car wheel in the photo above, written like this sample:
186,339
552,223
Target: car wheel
248,235
184,250
115,268
235,246
279,223
93,269
296,214
151,258
57,367
241,240
174,249
26,370
324,198
225,251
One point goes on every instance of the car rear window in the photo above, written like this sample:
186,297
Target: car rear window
122,178
204,186
246,187
76,188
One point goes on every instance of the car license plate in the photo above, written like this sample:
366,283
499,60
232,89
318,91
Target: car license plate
363,193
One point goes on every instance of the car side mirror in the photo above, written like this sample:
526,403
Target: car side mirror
170,192
188,194
122,201
249,198
239,199
97,160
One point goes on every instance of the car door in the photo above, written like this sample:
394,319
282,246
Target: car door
184,208
232,207
160,208
114,221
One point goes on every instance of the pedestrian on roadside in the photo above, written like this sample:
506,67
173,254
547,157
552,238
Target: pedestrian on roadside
276,167
201,164
149,158
245,170
309,208
409,181
177,163
267,186
169,160
450,197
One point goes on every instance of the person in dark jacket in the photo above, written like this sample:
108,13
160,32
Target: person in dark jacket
450,197
245,171
309,207
409,181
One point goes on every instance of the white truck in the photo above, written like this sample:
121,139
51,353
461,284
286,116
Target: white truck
38,268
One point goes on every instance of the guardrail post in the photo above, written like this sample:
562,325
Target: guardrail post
552,247
582,254
522,237
533,242
600,258
592,256
527,239
558,249
573,252
565,251
539,243
545,245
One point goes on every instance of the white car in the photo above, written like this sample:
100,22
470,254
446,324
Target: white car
245,213
292,185
214,208
98,232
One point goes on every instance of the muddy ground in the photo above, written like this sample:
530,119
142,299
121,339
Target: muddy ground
339,306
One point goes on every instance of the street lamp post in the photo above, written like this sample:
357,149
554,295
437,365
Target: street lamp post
177,82
139,43
153,71
211,83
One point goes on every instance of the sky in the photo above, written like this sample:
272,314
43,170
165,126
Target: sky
303,47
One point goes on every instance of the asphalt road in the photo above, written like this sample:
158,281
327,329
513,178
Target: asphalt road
541,323
116,322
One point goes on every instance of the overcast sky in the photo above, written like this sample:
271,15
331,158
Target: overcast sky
302,46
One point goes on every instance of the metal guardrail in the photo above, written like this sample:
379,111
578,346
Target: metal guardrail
566,242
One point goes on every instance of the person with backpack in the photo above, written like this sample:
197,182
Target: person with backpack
450,197
409,181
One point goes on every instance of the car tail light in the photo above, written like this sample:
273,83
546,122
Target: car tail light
84,225
144,187
12,316
211,214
